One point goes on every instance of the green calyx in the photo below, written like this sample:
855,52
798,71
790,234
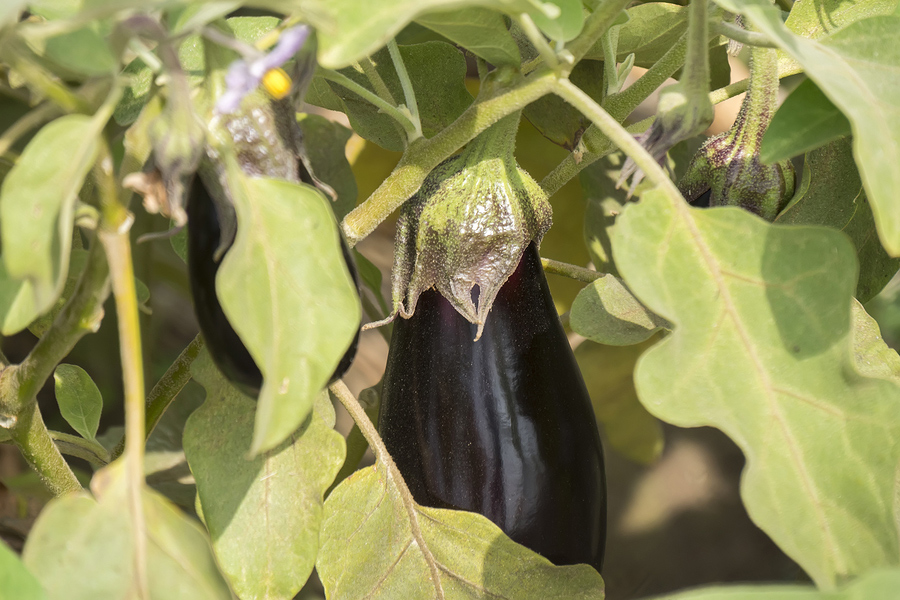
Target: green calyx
468,226
728,164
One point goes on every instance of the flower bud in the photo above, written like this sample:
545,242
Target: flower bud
468,226
728,164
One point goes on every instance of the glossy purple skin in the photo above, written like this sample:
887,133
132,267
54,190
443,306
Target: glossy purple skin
222,341
502,426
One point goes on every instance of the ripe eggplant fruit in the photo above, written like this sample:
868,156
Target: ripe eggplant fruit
502,426
222,341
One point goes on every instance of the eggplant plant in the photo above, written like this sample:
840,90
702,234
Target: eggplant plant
197,195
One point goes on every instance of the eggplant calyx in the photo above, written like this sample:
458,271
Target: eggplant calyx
467,227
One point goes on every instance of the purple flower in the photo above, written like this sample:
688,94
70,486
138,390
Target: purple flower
245,75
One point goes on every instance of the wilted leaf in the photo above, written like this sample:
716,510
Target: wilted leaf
285,288
608,374
369,549
37,202
857,68
606,312
80,402
263,514
761,350
805,121
16,583
479,30
437,71
830,193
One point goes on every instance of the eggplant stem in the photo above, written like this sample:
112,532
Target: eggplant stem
358,413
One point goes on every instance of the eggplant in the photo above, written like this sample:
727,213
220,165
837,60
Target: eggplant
224,345
502,426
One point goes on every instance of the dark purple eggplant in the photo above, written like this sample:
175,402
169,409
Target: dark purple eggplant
223,343
502,426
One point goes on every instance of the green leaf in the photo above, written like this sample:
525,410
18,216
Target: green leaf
761,350
16,583
77,262
652,29
559,121
138,83
84,51
263,514
37,203
285,288
831,194
437,71
608,375
348,30
606,312
79,399
819,17
479,30
857,68
806,120
83,549
371,277
473,558
877,585
873,357
325,141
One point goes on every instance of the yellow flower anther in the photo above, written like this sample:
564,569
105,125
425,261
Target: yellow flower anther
277,83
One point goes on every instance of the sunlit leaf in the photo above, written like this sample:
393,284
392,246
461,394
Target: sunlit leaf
285,288
873,357
830,193
80,402
813,19
37,202
263,514
608,374
471,556
806,120
83,549
858,68
761,349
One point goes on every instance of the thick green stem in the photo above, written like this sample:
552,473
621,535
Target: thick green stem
594,26
37,447
760,102
19,384
395,113
166,389
696,66
739,34
113,234
425,154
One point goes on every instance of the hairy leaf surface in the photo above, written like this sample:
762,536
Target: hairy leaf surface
762,350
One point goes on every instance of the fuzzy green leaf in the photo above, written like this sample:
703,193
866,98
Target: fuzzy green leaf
479,30
606,312
37,203
559,121
608,374
263,514
437,71
816,18
82,549
858,68
761,349
473,558
831,193
286,290
652,29
79,399
806,120
873,357
16,582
